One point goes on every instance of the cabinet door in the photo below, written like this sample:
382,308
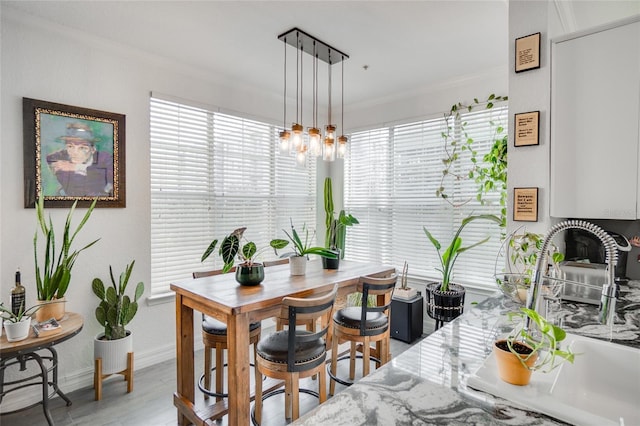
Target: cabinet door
595,97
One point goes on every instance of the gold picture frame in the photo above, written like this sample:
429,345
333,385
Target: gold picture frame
72,154
525,204
528,52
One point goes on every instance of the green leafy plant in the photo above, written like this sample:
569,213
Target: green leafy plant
461,161
303,247
336,227
544,339
235,244
8,315
52,279
455,249
116,309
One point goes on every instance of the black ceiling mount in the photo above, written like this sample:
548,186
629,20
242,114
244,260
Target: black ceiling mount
299,39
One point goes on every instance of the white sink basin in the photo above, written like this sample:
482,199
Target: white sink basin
602,386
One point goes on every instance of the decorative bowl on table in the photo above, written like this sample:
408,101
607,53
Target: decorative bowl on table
514,286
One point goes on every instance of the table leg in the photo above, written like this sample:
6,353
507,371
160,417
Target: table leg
238,347
184,355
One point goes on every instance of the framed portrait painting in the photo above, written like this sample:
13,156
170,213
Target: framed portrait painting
73,154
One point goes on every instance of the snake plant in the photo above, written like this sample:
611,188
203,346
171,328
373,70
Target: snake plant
53,277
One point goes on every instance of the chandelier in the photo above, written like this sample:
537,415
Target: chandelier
312,142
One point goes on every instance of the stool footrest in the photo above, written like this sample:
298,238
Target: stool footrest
346,382
276,392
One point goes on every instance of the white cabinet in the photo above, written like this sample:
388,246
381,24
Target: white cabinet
595,121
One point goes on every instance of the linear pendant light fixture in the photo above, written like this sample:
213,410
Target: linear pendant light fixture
296,141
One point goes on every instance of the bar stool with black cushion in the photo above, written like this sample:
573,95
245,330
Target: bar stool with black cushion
294,354
363,324
214,336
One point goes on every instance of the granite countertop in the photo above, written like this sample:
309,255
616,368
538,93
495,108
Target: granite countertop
426,384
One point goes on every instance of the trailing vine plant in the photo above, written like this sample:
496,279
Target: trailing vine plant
461,157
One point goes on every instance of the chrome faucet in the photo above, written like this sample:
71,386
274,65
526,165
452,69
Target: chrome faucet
608,297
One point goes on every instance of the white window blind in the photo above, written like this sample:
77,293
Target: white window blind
391,178
210,174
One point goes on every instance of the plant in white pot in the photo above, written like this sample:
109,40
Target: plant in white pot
302,249
445,300
54,274
248,272
404,291
113,348
17,326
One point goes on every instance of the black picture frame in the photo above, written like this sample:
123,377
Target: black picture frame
72,154
527,128
527,52
525,204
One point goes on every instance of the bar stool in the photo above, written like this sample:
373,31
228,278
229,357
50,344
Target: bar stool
214,336
293,354
363,324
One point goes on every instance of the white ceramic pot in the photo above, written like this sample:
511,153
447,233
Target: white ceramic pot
298,265
113,352
17,331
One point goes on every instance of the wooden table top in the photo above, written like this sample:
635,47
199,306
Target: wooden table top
223,294
71,325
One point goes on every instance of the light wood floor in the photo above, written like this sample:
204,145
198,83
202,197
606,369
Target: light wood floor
151,402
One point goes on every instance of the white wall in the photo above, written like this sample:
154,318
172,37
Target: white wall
49,63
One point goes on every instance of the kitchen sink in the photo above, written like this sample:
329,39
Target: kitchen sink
601,387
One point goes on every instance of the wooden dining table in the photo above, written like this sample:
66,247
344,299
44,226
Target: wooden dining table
221,297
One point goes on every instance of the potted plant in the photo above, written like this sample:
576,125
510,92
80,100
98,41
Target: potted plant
113,348
53,276
301,250
248,272
445,300
17,325
336,228
525,351
521,249
404,292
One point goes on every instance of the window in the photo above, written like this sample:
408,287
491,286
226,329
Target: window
211,173
391,178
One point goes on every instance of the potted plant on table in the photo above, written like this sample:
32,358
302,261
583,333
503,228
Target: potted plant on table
445,300
113,348
17,326
525,351
336,233
54,275
302,249
404,291
248,272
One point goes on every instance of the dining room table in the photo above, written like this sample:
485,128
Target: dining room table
221,297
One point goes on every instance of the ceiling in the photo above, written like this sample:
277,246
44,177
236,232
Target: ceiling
395,47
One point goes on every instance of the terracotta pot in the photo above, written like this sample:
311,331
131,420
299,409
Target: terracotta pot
50,309
250,275
510,368
445,305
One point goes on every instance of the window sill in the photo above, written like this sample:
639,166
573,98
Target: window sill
161,298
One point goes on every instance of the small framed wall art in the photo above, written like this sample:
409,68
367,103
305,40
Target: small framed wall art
527,125
528,52
72,154
525,204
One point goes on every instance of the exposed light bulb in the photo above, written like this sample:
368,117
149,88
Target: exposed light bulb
315,146
329,149
285,135
342,146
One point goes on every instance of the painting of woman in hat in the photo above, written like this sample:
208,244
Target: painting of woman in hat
80,168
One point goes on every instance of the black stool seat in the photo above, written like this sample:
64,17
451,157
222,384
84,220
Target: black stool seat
351,317
213,326
274,347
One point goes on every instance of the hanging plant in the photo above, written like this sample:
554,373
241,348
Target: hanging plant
461,160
